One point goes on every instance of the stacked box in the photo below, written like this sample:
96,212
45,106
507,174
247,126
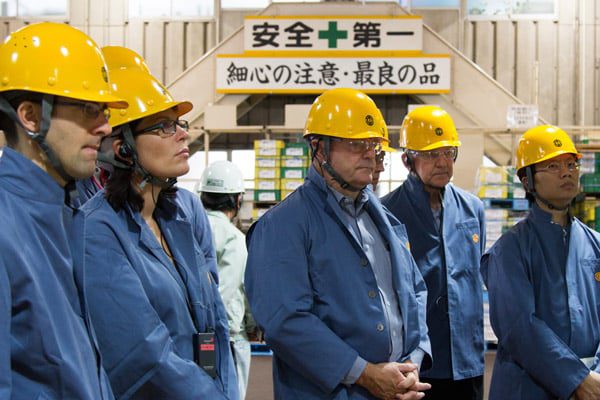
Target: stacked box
280,168
499,183
267,170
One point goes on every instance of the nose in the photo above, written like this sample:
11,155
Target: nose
104,129
181,134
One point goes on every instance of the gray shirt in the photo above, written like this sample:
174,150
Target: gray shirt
365,232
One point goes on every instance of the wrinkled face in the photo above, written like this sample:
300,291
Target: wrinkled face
162,154
354,160
435,167
75,133
379,168
557,179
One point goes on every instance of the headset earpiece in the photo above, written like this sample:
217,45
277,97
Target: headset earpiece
125,151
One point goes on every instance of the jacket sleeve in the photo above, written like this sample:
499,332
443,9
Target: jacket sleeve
280,293
138,352
421,294
5,339
204,236
528,339
232,257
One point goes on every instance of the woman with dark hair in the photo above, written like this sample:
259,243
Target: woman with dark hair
150,262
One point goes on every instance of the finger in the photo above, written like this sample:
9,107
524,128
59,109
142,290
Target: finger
410,396
420,386
408,382
407,367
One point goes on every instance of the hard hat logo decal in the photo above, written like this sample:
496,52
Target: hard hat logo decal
104,74
439,131
215,182
369,120
557,143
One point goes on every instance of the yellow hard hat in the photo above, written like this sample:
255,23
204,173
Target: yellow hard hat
427,128
55,59
345,113
543,143
131,79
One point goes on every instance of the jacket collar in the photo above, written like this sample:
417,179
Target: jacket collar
21,176
539,215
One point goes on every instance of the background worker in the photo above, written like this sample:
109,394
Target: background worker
543,278
380,159
329,278
446,230
221,192
53,111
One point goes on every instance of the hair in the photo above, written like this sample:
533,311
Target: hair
121,190
522,173
220,201
7,125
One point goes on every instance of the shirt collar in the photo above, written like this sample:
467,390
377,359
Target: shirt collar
350,206
22,177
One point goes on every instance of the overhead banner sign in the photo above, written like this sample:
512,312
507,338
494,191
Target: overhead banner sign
395,73
319,33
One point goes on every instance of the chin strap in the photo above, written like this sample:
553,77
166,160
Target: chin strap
40,136
327,166
531,190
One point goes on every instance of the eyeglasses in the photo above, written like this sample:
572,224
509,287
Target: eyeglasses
380,157
555,167
432,155
90,110
165,128
358,146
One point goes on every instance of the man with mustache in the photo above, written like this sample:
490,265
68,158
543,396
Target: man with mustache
446,230
543,277
329,277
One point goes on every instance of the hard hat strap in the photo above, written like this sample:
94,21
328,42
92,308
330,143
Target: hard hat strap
146,176
327,167
40,137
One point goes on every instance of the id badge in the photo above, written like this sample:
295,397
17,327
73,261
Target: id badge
205,352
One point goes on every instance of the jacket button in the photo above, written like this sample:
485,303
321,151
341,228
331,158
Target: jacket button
372,294
380,327
364,262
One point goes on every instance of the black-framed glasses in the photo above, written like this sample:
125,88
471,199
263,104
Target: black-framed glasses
165,128
360,146
555,167
90,110
432,155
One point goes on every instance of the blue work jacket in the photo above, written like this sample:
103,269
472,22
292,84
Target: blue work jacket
544,290
47,346
142,304
313,291
449,262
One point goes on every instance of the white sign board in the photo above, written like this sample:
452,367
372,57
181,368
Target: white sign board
521,116
319,33
371,74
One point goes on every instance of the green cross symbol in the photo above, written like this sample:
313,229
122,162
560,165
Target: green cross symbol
332,35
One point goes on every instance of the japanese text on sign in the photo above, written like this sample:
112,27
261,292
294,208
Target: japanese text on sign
333,33
237,74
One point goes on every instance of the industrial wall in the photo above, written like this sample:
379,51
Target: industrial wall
552,63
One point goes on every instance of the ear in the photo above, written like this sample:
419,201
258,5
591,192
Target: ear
525,183
405,161
317,145
30,115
